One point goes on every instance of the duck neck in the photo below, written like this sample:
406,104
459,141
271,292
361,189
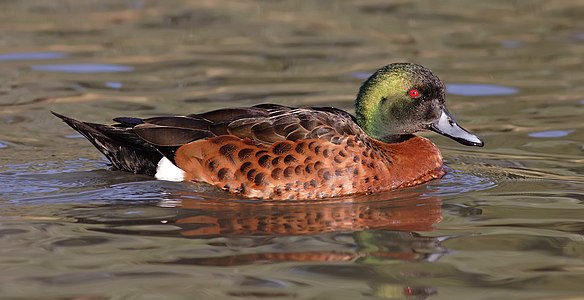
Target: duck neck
367,114
374,118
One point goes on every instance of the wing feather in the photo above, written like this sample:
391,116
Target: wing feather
263,124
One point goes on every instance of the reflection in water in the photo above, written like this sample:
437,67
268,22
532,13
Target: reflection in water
364,233
83,68
550,133
31,56
466,89
397,218
203,219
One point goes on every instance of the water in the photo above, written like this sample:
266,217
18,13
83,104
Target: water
505,223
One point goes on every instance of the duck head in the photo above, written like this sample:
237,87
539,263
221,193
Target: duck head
402,98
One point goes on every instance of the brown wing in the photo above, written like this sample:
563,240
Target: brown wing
136,145
263,124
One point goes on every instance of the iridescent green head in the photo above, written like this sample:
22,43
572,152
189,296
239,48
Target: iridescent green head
402,98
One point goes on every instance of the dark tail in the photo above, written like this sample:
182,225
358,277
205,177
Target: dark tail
119,144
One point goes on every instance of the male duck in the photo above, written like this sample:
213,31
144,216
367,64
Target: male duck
278,152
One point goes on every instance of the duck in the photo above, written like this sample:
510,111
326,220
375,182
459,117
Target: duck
277,152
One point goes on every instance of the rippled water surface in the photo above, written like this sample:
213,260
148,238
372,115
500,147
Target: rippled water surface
506,222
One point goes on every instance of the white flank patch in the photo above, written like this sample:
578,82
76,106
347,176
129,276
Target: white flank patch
166,170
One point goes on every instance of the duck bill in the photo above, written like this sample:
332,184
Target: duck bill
448,127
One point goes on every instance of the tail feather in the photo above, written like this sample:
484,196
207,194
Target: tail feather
125,150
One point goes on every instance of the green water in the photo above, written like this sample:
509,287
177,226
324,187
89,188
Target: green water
506,222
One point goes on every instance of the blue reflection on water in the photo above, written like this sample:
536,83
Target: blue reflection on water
550,133
74,136
360,75
83,68
471,89
32,56
114,84
511,44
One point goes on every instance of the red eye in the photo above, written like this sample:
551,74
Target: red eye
414,93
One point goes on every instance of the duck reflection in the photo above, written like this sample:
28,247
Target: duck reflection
408,211
363,234
367,238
